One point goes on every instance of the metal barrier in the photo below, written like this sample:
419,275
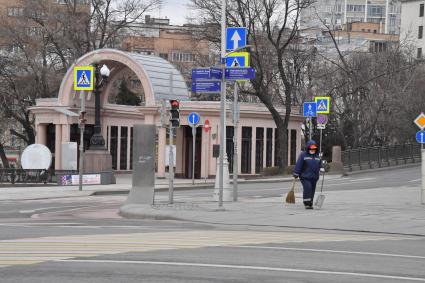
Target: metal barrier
378,157
31,176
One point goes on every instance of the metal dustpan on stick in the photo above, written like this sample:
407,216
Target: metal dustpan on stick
320,199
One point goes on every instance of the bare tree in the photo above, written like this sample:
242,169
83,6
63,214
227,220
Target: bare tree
41,43
272,30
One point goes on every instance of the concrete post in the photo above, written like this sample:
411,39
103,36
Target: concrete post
162,140
142,191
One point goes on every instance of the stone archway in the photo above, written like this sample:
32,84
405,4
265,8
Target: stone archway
159,78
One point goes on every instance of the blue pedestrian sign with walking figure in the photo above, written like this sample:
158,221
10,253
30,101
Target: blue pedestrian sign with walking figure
193,118
83,78
420,137
235,38
309,109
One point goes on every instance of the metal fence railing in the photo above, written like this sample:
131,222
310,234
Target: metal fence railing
31,176
382,156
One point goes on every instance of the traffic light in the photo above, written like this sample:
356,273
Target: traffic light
175,113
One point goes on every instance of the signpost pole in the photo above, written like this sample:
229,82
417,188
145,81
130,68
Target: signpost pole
82,128
171,167
193,152
235,142
320,149
423,175
222,103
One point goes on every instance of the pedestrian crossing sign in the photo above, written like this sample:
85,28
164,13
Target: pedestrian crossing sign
237,59
323,104
84,78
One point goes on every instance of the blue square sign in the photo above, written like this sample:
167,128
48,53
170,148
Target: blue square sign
83,78
309,109
235,38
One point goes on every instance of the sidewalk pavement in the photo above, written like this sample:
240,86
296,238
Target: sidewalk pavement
383,210
387,210
122,186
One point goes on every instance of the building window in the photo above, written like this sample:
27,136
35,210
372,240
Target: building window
259,149
182,57
131,148
269,147
419,56
421,10
246,150
229,147
293,147
420,32
15,12
123,148
114,146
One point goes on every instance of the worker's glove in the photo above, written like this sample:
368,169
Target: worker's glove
322,170
295,176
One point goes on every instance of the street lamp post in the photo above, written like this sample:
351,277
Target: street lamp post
97,142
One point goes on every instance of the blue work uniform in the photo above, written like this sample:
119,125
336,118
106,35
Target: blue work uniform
307,169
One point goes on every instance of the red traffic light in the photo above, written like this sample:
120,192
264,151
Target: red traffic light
174,103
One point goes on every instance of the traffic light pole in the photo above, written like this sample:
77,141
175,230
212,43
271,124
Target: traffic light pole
171,166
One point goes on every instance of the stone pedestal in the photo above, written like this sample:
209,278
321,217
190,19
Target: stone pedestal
336,166
99,162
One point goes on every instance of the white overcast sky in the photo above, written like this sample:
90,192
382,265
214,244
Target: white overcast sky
175,10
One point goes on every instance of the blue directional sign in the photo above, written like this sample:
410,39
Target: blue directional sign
239,73
206,86
235,38
216,73
309,109
201,74
193,118
420,137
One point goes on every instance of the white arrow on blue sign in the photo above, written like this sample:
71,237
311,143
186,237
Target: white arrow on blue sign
420,137
193,118
309,109
235,38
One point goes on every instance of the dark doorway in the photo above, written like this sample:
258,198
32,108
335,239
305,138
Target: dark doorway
188,151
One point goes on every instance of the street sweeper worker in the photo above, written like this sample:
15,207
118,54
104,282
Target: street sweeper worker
307,169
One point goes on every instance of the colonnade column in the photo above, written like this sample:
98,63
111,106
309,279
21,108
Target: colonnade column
58,145
253,147
41,134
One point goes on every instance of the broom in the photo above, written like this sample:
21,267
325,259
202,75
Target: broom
290,196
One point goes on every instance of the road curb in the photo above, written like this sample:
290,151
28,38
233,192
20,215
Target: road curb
348,173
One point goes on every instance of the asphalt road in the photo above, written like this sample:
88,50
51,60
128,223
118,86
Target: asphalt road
84,240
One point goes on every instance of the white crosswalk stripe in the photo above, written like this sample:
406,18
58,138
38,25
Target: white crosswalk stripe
38,250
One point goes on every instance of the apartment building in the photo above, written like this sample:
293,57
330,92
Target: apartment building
412,26
338,13
177,44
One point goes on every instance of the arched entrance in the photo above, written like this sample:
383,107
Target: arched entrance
150,78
